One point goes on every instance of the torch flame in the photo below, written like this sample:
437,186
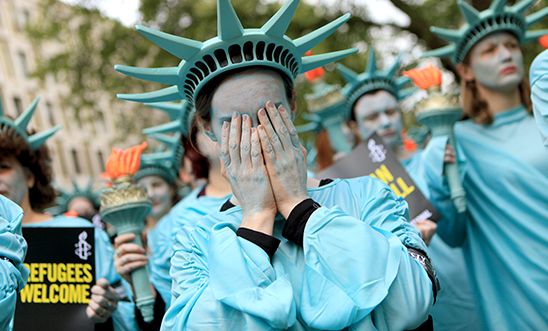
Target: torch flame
425,78
313,74
122,163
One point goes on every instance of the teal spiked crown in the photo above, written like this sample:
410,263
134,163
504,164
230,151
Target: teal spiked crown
20,124
180,115
371,80
86,192
497,18
233,48
165,163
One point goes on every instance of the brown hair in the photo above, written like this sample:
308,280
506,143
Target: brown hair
205,97
476,108
200,163
326,154
37,162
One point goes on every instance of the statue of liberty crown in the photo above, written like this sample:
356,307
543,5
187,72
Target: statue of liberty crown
180,114
87,192
373,79
21,123
497,18
165,163
234,47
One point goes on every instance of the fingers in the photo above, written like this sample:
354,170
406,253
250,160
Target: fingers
292,131
245,143
279,125
98,311
449,155
124,249
256,152
266,145
271,133
224,151
123,238
234,138
107,294
129,262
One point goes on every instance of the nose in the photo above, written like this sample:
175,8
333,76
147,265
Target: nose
505,54
384,120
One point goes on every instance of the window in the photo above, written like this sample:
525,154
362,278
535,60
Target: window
18,105
23,63
49,110
75,161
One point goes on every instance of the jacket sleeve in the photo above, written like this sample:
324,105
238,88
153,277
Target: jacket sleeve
356,267
224,282
13,248
452,225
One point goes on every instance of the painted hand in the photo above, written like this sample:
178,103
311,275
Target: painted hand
427,229
129,256
449,155
245,170
284,157
103,303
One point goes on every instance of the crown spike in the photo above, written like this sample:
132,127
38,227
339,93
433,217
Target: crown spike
470,13
447,34
497,6
169,141
440,52
310,40
535,35
228,23
24,119
406,92
38,139
173,110
536,17
278,24
182,48
308,127
348,74
173,126
391,72
166,76
371,66
402,81
316,61
522,6
167,94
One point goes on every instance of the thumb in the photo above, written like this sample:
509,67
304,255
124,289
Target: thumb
103,283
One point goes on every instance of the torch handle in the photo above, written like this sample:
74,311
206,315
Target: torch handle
144,298
453,178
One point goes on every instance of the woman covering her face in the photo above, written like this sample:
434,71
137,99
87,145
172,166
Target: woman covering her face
284,252
504,171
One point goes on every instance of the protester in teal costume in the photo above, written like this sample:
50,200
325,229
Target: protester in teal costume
454,308
13,275
504,168
539,92
224,275
82,200
25,178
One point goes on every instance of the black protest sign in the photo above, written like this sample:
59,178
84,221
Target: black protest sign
61,262
373,158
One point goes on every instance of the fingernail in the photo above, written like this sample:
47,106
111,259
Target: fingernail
269,103
235,115
261,111
281,109
245,117
225,124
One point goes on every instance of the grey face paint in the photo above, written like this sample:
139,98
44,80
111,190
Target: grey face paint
497,62
379,112
159,193
13,182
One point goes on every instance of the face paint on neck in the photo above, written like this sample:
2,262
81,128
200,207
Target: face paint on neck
160,194
497,62
13,181
379,112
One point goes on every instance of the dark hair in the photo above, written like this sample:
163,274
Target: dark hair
353,115
37,162
200,163
204,98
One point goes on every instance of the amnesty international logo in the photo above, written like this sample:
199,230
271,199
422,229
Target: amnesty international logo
377,152
83,248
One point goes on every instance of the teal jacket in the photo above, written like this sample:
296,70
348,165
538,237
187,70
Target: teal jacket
354,269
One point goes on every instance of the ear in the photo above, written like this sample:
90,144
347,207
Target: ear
205,127
353,128
30,178
465,72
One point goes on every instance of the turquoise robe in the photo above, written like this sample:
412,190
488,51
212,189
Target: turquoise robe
455,308
539,92
123,317
504,234
353,271
162,238
13,274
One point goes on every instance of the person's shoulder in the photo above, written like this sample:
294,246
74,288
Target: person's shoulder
9,210
539,68
363,184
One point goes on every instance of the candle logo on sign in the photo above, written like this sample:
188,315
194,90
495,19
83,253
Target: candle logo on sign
83,248
377,152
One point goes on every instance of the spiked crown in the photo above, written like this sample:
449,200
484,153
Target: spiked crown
180,115
497,18
21,123
234,47
372,79
66,197
165,163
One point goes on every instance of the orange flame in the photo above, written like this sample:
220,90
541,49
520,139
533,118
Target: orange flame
409,144
313,74
425,78
122,163
543,41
